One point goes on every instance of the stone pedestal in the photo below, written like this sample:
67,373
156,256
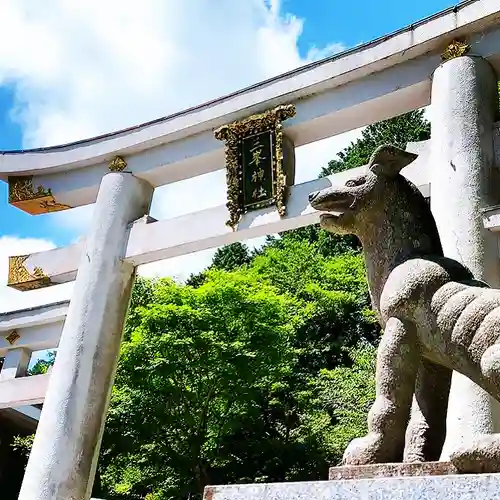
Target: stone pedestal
463,181
447,487
396,481
391,470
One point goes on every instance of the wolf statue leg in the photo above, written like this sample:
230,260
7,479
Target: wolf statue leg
482,453
398,359
426,431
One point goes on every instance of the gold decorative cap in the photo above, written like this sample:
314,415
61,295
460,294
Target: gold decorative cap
455,49
13,337
117,164
22,279
35,201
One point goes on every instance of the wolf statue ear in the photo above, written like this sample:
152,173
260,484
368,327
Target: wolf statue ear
390,160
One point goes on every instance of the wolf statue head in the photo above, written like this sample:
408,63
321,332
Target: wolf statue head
378,203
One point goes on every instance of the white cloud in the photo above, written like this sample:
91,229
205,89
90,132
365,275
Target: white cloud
11,299
88,67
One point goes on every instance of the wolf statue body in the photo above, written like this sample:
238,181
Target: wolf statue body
436,318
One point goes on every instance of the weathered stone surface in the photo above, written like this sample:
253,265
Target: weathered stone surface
463,178
391,470
436,318
451,487
65,451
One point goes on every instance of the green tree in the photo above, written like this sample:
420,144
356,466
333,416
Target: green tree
43,364
142,295
227,258
334,291
348,393
23,445
328,244
231,257
398,131
232,381
220,383
199,360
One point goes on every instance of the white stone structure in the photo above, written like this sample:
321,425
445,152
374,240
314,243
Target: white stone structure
376,81
64,457
465,104
22,333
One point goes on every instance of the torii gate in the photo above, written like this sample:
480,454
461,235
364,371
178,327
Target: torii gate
449,60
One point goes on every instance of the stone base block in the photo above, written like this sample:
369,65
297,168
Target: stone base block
445,487
391,470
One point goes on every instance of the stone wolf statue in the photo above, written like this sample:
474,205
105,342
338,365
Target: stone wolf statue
436,318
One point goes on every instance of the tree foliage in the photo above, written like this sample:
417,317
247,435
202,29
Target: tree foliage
398,131
219,383
23,444
198,360
226,258
231,257
347,392
43,364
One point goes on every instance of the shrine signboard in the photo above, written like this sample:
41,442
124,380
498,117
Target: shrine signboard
260,162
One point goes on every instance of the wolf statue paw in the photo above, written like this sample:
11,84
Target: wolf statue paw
369,449
478,456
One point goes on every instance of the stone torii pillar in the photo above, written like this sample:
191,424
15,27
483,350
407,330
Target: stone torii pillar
64,457
464,181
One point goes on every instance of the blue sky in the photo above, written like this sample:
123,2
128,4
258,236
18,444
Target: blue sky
84,73
355,21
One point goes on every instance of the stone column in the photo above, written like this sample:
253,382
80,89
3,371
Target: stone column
15,363
464,107
65,451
